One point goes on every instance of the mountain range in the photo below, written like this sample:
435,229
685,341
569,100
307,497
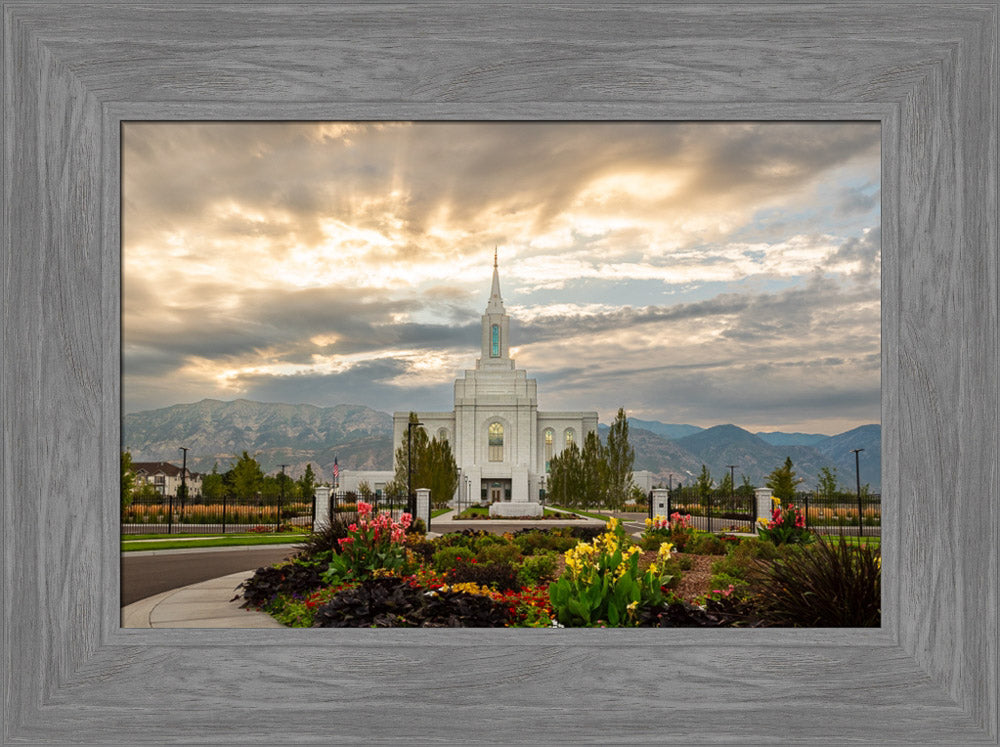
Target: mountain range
359,437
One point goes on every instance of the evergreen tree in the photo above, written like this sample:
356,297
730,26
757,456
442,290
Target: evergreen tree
433,465
128,479
726,486
594,472
419,444
307,484
704,485
783,482
620,458
565,483
439,472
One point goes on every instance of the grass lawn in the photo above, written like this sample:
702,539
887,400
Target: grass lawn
174,541
588,514
439,511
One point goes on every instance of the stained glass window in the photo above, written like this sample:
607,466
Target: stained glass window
495,350
496,442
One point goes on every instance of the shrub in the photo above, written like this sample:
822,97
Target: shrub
445,558
293,579
323,541
392,602
499,553
497,576
543,540
537,569
421,547
828,584
418,527
705,543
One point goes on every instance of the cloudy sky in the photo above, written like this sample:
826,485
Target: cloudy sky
698,273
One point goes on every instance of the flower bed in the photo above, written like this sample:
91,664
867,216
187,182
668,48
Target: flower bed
373,574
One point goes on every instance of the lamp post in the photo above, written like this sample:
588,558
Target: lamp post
281,497
732,484
183,480
857,475
411,509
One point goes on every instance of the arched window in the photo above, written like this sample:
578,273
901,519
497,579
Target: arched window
442,435
495,341
570,437
549,440
496,442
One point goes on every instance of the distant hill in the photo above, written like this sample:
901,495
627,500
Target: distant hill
777,438
672,431
361,438
216,431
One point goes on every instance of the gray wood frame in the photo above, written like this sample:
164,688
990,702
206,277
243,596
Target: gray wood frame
72,72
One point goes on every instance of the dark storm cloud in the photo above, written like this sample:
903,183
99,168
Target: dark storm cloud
367,382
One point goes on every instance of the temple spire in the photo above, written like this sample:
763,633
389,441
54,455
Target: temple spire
495,304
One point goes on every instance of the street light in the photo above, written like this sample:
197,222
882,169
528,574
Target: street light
281,499
409,468
857,474
732,484
183,480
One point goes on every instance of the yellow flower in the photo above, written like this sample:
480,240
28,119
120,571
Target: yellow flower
664,552
649,522
612,524
632,607
775,500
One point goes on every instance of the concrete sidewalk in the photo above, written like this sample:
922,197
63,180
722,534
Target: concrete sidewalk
202,605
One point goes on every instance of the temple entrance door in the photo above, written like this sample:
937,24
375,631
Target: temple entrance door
496,494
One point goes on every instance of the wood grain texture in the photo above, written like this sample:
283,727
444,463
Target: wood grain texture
73,71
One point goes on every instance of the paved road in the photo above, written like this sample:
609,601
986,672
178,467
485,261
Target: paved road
145,575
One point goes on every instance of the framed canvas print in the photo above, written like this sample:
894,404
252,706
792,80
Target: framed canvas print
581,316
77,73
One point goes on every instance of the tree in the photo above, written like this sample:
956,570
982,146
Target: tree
620,458
565,484
783,482
432,463
213,486
827,483
419,443
246,476
128,479
704,486
593,472
307,484
726,486
439,472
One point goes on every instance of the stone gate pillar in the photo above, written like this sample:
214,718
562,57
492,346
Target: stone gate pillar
763,506
661,502
424,506
322,519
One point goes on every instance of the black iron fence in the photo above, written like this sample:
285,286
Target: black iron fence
170,515
717,513
344,504
843,514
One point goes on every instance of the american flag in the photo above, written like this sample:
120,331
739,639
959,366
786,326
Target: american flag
336,471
